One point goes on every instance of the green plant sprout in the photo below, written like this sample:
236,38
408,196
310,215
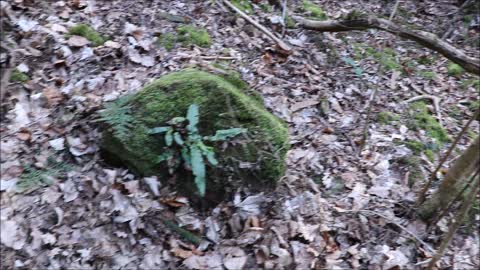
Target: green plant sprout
184,142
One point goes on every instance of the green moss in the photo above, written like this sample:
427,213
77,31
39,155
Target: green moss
390,64
17,76
355,15
427,60
386,57
232,76
315,11
266,7
416,146
454,112
222,106
243,5
467,19
474,105
454,69
387,117
430,155
471,134
410,65
88,33
358,51
475,83
430,75
191,35
423,120
370,51
167,41
289,22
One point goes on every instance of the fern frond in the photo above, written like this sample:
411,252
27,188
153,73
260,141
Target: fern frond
118,116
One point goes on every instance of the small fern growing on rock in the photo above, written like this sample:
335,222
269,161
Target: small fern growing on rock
118,116
184,143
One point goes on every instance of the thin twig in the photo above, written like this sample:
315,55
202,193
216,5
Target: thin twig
284,16
436,104
260,27
375,90
421,196
413,235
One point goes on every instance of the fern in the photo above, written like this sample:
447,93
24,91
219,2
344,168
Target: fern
118,116
191,147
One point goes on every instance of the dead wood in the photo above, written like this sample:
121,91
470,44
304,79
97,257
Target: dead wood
429,40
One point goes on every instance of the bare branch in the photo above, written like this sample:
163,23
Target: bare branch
284,46
429,40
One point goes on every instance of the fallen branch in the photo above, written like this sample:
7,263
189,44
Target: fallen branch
429,40
436,104
284,46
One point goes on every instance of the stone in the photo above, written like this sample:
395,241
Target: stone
224,102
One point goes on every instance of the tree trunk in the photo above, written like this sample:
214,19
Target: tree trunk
453,183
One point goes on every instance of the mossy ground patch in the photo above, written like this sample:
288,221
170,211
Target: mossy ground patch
423,120
17,76
186,35
88,33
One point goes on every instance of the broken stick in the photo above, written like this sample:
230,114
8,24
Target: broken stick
284,46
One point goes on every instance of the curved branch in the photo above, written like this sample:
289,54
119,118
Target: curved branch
429,40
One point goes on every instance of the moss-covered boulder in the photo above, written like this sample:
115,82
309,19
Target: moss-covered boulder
255,158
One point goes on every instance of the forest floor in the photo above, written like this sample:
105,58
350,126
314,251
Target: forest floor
338,206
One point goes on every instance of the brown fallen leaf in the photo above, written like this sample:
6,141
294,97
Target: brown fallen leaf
112,44
328,130
77,41
12,172
303,104
24,135
78,4
175,202
181,253
53,96
267,58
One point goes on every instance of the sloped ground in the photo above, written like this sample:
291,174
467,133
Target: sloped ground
92,215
